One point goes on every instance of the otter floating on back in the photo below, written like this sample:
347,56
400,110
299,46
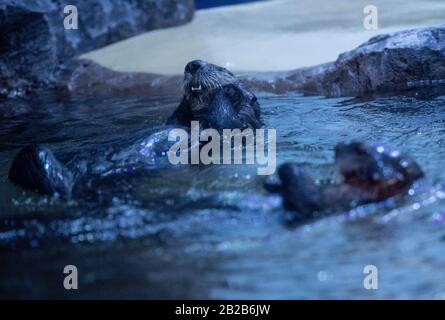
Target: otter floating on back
370,173
212,95
216,98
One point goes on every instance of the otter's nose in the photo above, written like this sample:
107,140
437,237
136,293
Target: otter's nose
194,66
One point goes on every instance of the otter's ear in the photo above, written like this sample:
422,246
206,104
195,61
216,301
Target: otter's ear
222,115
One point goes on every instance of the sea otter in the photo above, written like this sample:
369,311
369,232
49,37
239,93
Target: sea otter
369,173
216,98
212,95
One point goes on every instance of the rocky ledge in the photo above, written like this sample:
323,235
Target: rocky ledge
386,63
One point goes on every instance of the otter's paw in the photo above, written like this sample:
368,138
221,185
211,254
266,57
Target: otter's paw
35,168
222,115
299,191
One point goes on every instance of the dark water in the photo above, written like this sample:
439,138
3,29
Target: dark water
213,232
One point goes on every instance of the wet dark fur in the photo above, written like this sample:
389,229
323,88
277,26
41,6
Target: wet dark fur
221,102
35,168
370,173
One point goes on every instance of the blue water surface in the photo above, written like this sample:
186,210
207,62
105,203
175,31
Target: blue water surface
213,231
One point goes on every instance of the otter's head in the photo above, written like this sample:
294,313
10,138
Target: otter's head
376,164
202,78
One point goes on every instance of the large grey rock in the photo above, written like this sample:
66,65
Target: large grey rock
34,42
384,63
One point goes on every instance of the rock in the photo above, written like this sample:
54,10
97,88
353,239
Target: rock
87,77
35,43
276,82
386,63
398,61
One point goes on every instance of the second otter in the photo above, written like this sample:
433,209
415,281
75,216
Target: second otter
370,173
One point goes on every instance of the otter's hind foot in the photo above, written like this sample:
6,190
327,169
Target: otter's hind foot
35,168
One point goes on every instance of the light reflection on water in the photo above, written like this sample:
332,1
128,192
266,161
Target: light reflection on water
213,232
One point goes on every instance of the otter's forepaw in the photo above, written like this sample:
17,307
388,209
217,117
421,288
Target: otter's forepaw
222,114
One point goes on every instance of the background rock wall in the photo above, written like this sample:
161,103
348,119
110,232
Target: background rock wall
34,42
